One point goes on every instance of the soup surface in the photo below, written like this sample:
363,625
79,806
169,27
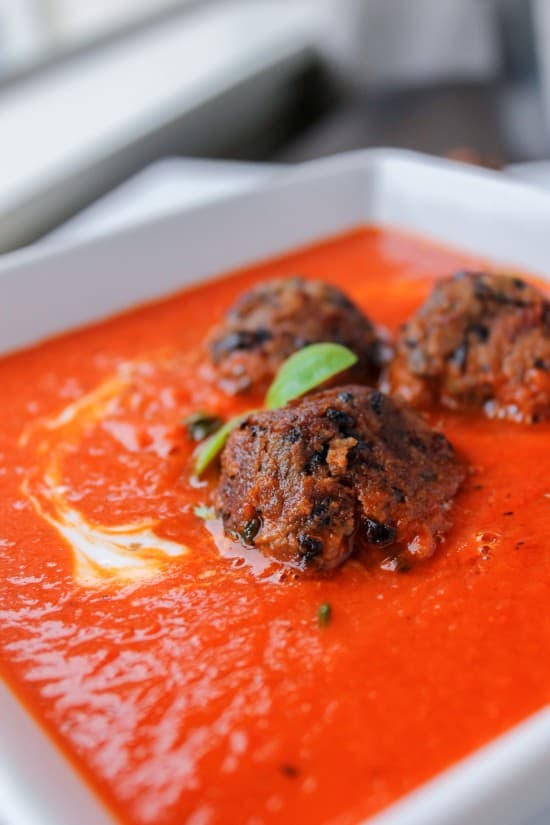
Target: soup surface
185,679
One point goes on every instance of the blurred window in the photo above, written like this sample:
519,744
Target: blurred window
35,30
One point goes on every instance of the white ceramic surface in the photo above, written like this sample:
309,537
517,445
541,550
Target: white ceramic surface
46,290
166,187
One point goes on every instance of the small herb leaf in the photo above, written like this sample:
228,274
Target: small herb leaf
208,451
204,512
324,614
307,369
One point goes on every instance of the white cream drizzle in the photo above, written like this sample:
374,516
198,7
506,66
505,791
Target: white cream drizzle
126,551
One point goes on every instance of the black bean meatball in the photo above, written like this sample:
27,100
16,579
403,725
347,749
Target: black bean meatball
480,340
341,469
273,320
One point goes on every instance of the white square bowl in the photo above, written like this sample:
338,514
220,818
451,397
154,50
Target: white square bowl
49,290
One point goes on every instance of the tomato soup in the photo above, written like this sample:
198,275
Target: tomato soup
187,681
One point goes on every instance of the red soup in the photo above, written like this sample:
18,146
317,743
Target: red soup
186,681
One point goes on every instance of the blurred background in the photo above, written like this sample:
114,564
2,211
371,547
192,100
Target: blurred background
114,111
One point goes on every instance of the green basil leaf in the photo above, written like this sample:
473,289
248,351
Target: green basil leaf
208,451
204,512
303,371
324,614
307,369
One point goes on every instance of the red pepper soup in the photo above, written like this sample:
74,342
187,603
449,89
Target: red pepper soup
187,681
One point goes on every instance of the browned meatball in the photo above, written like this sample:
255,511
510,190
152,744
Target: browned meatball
337,470
480,340
273,320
